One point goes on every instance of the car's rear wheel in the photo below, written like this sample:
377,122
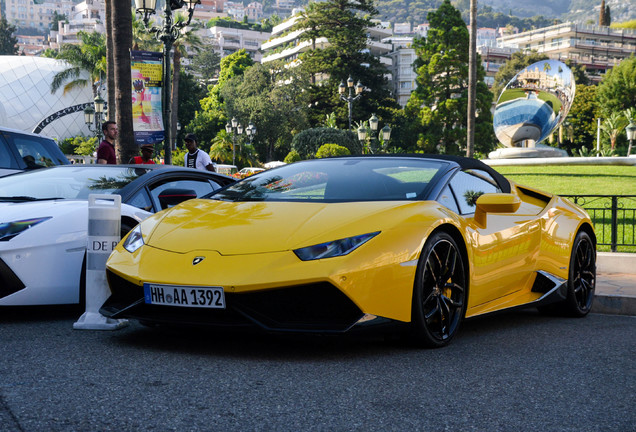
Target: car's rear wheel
581,279
440,292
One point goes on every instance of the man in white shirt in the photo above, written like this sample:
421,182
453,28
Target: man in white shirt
196,158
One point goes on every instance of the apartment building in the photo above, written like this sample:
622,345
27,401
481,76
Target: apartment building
285,43
87,16
27,13
598,48
402,73
229,40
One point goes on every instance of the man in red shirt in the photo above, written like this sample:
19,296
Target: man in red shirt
106,149
147,151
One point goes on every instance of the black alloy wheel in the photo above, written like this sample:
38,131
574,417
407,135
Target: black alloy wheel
440,292
581,280
582,277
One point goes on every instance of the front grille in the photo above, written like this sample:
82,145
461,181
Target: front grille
9,282
314,307
317,307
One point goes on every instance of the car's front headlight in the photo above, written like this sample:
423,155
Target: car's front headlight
8,230
134,240
334,248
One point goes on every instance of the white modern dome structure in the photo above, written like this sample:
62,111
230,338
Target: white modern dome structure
26,102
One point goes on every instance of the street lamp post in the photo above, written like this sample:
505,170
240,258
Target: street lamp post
385,132
167,34
631,135
235,128
93,115
359,88
250,131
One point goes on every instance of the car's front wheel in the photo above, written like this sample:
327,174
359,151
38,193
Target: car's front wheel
440,292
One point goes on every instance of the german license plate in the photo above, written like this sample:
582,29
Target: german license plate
184,296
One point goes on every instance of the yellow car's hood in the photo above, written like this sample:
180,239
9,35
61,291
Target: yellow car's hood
232,228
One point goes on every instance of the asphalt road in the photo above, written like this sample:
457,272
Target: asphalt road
512,372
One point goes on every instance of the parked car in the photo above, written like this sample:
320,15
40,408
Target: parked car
226,169
23,151
247,171
44,220
327,245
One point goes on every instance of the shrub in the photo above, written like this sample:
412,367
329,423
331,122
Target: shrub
328,150
293,156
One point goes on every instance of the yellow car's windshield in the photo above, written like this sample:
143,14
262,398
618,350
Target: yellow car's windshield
338,180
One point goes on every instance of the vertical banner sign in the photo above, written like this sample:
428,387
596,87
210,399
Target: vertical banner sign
147,72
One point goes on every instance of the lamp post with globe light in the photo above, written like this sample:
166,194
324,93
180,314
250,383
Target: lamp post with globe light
93,116
235,128
167,34
359,88
385,133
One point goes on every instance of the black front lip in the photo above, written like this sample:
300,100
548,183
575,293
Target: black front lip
319,307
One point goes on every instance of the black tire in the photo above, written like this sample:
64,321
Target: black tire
439,292
581,280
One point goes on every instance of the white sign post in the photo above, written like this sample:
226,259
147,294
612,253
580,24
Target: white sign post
104,226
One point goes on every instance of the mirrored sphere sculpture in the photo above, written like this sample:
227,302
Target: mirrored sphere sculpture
534,103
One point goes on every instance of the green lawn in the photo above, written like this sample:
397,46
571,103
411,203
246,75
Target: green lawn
588,180
575,179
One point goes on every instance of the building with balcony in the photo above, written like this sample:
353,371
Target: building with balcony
598,48
493,58
87,16
229,40
209,9
285,44
402,73
28,14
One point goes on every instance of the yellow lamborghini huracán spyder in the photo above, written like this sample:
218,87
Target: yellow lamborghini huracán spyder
327,245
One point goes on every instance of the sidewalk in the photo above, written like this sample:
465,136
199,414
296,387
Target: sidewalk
615,284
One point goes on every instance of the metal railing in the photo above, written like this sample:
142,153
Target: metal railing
614,218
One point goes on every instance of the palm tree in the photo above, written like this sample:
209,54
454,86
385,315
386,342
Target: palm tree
221,149
89,56
122,43
613,126
143,39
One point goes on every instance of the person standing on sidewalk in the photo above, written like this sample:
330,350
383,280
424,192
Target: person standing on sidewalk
195,158
106,150
146,155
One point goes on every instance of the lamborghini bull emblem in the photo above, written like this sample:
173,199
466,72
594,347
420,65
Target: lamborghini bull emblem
197,260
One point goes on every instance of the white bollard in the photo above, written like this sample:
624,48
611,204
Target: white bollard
104,226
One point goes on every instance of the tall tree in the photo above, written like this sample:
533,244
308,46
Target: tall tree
582,118
212,117
257,97
206,64
601,14
472,78
88,57
8,42
617,91
342,24
438,105
122,43
110,59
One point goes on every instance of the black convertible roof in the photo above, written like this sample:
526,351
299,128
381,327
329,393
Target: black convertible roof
470,163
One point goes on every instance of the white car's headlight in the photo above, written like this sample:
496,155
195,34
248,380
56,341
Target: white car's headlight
8,230
134,240
334,248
